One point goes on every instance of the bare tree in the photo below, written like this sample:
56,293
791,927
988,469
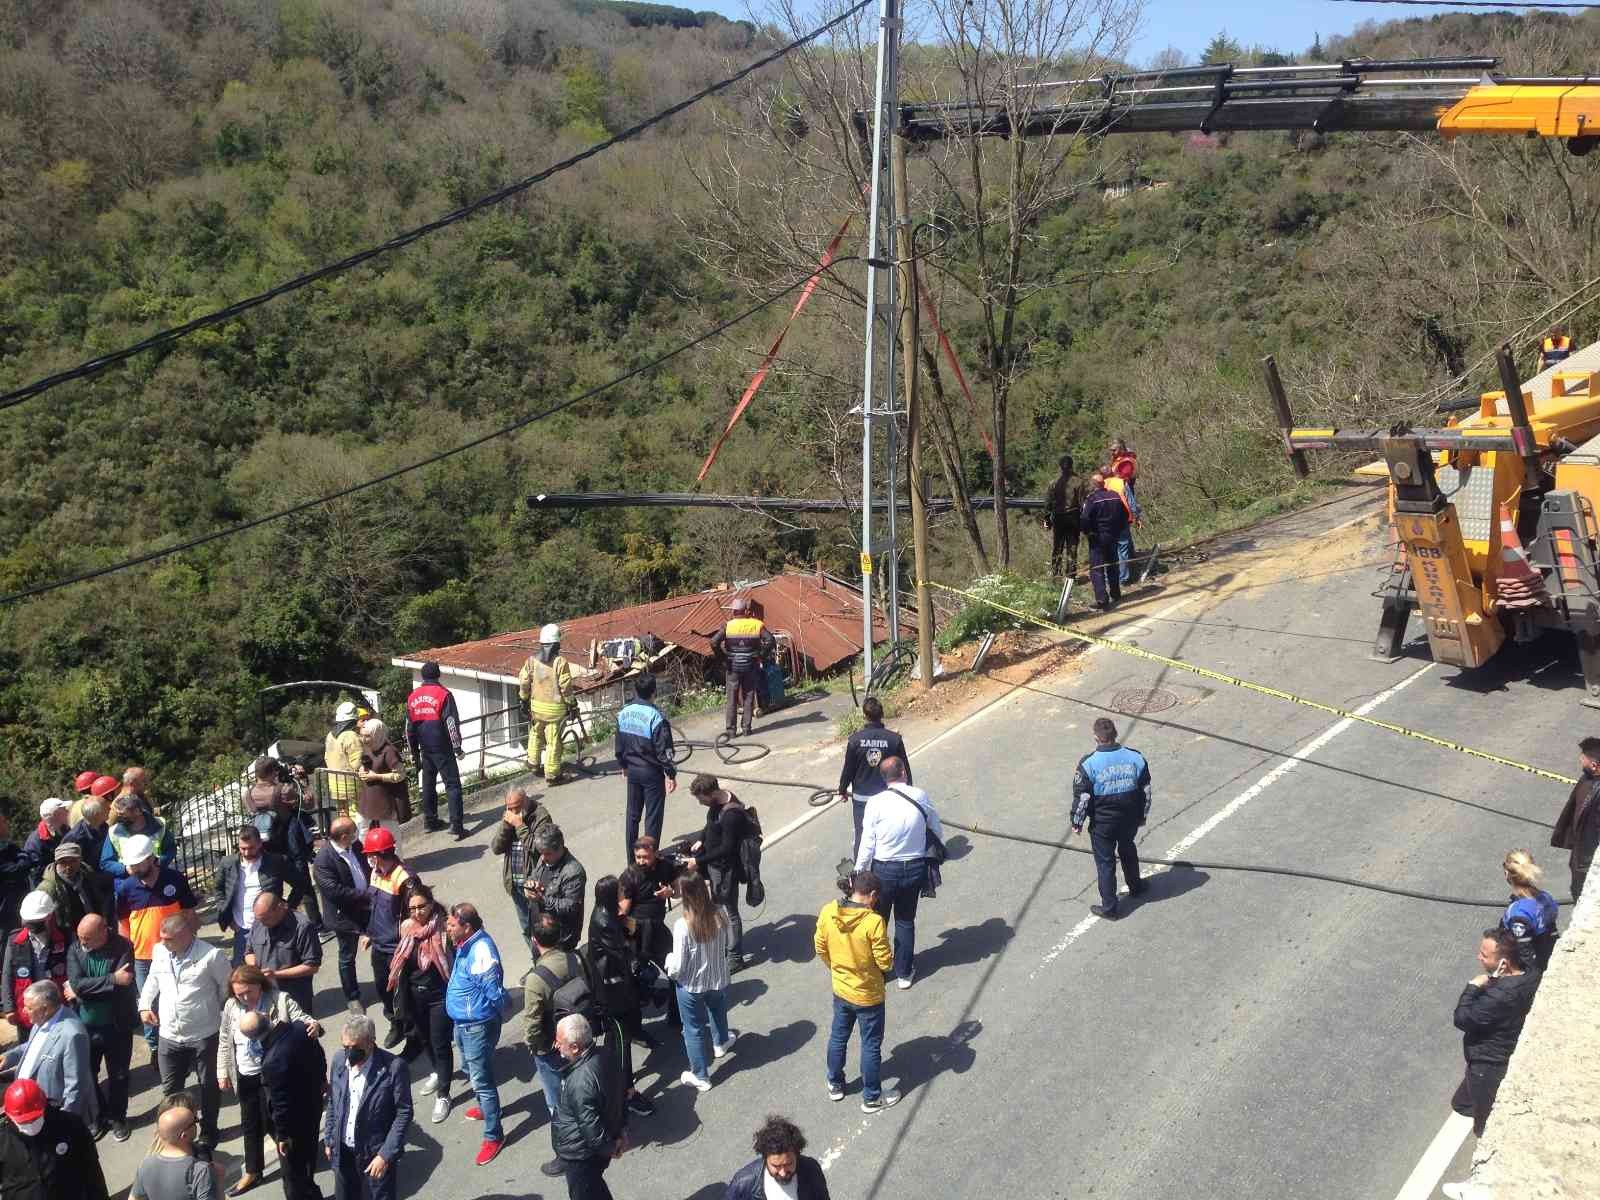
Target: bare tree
1012,56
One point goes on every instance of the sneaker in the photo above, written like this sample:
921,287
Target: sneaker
325,935
887,1100
555,1168
430,1085
441,1110
101,1128
474,1113
460,835
120,1131
694,1081
487,1152
640,1107
719,1051
394,1037
835,1092
903,983
1105,914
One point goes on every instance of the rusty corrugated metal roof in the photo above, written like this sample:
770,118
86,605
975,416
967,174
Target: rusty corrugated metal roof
821,616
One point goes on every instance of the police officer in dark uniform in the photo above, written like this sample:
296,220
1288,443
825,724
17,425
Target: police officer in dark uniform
1105,520
866,749
1111,790
433,729
644,752
743,642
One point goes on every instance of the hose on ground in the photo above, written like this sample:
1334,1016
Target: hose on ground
733,752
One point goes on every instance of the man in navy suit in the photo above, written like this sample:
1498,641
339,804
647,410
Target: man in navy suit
292,1066
342,876
369,1110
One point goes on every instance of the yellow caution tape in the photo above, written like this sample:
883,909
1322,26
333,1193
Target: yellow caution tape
1247,685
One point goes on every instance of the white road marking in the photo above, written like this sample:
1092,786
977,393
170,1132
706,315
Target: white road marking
1234,805
1425,1177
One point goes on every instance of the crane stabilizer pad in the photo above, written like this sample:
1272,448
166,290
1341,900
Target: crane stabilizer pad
1249,686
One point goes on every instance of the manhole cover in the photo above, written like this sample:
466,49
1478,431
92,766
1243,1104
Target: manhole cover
1138,701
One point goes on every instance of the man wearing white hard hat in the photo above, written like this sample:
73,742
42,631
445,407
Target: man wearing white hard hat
55,818
149,894
544,682
341,755
35,952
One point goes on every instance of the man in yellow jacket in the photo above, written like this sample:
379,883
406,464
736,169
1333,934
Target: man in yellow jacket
853,943
544,683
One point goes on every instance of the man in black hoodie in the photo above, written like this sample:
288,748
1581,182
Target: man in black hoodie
1490,1014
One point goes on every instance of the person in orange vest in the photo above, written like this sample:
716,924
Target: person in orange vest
433,731
744,641
1124,462
1123,486
1555,347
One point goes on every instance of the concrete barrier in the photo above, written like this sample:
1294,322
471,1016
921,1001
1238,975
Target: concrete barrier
1542,1141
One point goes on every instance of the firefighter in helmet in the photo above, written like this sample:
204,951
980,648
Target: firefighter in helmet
544,683
744,642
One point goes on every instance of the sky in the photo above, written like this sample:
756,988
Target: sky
1289,26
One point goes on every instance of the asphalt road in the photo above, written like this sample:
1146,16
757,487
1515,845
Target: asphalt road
1232,1034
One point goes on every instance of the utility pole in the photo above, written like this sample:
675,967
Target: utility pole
885,109
910,296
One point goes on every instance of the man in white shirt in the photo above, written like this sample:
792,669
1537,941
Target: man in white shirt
894,845
241,878
183,997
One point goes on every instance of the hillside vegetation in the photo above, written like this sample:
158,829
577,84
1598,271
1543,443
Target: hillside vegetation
162,158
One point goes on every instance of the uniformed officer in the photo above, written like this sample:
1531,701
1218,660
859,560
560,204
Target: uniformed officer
863,754
1556,347
545,680
433,729
644,752
744,642
1111,790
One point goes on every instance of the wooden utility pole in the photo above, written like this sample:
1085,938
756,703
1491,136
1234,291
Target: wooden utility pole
912,372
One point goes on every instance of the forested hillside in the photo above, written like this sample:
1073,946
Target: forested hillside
163,158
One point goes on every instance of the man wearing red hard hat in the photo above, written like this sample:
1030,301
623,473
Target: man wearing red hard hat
46,1154
387,889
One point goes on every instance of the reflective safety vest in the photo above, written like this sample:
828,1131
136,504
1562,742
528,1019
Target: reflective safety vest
1554,350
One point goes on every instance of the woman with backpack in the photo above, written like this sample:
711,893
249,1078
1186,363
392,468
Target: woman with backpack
852,941
716,855
698,964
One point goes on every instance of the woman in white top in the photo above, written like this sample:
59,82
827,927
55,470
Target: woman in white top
239,1059
698,964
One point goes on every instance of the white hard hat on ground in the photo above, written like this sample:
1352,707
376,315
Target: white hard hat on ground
137,849
549,635
36,906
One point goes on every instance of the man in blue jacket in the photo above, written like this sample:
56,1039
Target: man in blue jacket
1111,790
369,1111
472,999
1104,521
644,752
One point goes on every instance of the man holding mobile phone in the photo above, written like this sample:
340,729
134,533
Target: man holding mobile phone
1490,1014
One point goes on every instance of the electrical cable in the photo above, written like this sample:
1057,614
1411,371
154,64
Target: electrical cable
96,365
293,509
1468,3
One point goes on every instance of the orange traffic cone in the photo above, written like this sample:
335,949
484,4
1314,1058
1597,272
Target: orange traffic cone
1518,585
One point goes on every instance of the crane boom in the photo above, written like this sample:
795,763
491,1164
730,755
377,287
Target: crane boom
1355,95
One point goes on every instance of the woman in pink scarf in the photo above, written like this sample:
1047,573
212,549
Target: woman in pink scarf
418,975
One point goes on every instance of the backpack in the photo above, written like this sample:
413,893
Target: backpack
572,996
755,893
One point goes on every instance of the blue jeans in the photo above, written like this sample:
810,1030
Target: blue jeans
141,972
705,1023
476,1041
525,913
902,888
1125,556
549,1065
240,943
845,1015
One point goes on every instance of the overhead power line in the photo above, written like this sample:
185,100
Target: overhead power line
1466,4
228,531
167,336
795,504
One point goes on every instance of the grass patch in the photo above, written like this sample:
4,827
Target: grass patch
974,619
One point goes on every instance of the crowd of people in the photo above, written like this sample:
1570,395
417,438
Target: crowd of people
106,945
1102,507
